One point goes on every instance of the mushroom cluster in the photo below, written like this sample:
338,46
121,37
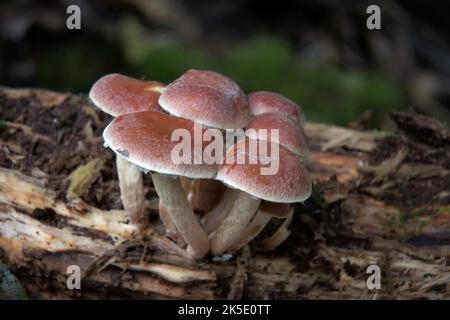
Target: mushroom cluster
208,206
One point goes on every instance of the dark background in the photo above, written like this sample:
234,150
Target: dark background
318,53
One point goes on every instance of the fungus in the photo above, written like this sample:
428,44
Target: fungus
203,194
207,97
266,211
146,139
216,101
116,94
269,102
291,135
291,183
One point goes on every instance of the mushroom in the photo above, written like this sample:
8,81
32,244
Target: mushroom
279,236
203,194
291,135
216,101
207,97
266,211
117,94
212,219
171,229
290,183
276,210
144,138
269,102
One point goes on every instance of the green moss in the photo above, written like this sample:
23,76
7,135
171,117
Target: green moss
326,93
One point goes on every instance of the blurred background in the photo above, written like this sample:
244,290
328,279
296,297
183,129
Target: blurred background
318,53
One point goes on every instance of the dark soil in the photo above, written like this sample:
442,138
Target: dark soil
62,124
65,148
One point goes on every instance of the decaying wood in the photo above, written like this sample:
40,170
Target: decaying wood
351,222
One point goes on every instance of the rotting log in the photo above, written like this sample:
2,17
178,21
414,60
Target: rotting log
379,198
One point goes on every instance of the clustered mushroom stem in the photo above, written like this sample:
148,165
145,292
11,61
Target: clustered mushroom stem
173,197
279,236
235,223
213,218
259,221
131,191
170,227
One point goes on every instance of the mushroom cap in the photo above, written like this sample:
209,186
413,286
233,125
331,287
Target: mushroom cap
291,183
269,102
117,94
144,138
291,134
207,97
203,194
277,210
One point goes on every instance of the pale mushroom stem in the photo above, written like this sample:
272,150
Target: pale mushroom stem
131,191
170,227
234,224
212,219
259,221
253,229
279,236
172,195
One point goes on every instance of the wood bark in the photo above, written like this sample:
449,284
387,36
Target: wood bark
363,211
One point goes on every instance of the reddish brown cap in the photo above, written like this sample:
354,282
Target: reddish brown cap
290,134
203,194
278,210
117,94
270,102
207,97
144,138
290,183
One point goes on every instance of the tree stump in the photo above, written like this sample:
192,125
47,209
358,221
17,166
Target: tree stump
378,198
